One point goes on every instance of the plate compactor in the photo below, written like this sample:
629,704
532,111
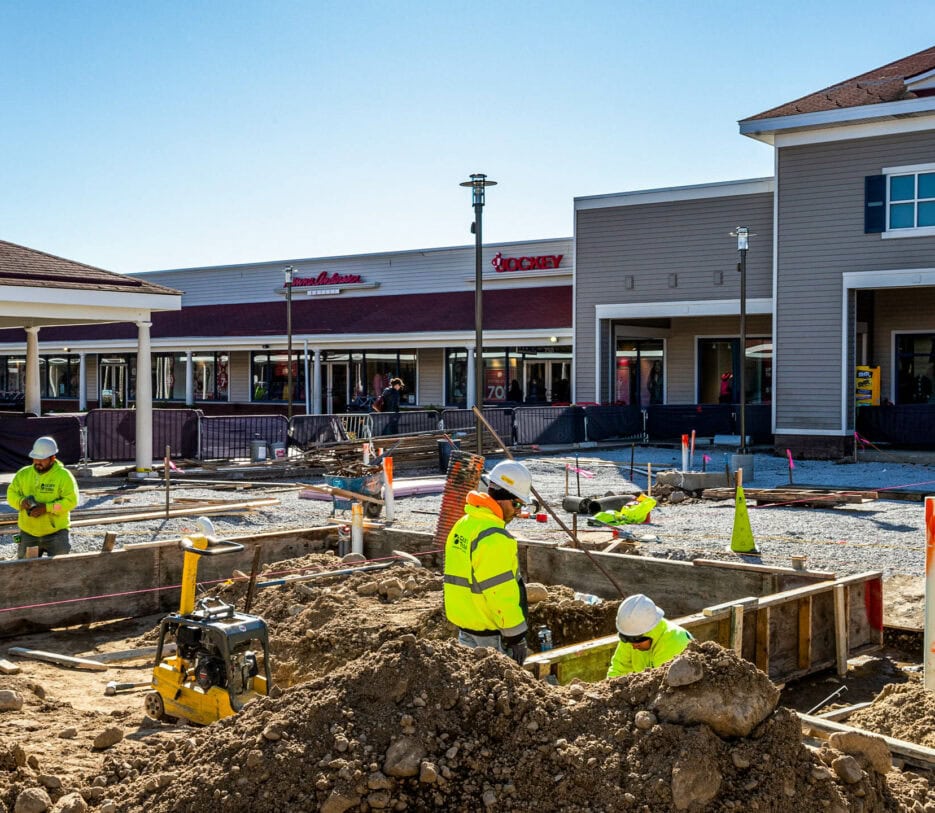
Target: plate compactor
216,668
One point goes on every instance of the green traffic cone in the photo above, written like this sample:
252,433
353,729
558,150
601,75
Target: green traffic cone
741,539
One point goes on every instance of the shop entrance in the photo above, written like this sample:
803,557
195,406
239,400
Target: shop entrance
334,378
547,381
114,381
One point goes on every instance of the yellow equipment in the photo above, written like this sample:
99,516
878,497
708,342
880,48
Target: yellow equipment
215,669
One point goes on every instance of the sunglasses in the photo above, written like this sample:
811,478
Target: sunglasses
633,639
518,504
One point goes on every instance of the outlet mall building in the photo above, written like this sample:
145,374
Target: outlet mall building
838,277
355,322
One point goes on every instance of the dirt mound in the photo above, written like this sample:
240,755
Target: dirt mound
904,711
421,725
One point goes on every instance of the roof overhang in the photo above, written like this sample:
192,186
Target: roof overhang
34,306
766,130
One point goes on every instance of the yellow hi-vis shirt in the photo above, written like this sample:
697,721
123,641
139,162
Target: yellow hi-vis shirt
55,488
482,590
668,639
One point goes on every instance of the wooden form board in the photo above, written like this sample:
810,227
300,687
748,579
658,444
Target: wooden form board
81,588
787,634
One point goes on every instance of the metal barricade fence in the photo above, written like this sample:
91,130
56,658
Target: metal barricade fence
549,425
228,437
500,418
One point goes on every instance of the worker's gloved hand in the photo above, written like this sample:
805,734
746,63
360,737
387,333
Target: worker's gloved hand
28,504
38,510
516,648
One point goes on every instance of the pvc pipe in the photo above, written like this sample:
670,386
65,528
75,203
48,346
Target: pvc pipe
684,452
929,664
357,528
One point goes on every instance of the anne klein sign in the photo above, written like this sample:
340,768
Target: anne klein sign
542,262
324,278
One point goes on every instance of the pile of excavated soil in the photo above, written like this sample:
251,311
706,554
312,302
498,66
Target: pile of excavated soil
430,725
903,711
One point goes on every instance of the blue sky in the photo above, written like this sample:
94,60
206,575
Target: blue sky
140,136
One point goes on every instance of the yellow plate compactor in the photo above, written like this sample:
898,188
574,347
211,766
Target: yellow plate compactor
216,668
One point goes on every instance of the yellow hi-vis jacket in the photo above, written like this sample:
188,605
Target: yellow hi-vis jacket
482,589
56,488
668,639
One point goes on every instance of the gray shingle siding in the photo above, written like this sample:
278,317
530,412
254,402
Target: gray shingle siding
820,227
688,238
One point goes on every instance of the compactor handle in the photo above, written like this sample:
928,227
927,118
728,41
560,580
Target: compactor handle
220,546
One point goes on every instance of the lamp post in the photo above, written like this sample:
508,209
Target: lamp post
289,272
742,233
478,183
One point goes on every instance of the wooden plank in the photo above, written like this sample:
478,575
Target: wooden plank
736,628
917,755
718,610
840,628
784,571
762,656
805,632
341,492
57,659
219,508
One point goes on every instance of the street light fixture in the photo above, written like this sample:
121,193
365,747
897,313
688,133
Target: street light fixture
289,272
742,233
477,184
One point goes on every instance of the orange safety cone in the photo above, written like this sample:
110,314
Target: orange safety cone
741,539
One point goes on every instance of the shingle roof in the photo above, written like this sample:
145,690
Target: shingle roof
885,84
27,267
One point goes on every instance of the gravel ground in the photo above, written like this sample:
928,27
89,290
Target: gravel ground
885,534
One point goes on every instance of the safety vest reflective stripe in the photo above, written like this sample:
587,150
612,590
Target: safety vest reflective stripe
488,532
493,581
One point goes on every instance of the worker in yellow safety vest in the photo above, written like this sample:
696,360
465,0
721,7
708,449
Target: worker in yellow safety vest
485,597
647,638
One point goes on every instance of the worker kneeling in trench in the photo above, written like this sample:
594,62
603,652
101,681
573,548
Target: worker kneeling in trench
647,638
485,597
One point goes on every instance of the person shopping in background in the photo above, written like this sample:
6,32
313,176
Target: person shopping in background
484,594
44,493
390,399
647,639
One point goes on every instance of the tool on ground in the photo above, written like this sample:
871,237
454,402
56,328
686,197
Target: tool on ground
115,686
547,507
830,697
216,668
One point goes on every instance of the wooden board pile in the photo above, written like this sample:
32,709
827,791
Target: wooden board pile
789,495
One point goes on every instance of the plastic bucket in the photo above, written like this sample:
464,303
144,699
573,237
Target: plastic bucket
258,451
278,450
444,453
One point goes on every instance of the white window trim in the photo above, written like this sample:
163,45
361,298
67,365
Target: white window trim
916,231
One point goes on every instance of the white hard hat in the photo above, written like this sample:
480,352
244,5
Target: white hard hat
637,615
43,448
513,477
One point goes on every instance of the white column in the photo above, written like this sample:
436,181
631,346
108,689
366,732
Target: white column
470,377
316,384
189,380
308,384
82,382
144,400
33,397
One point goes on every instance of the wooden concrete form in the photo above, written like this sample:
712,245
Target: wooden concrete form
137,580
787,634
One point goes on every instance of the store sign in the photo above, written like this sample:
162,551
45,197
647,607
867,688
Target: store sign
495,385
542,262
324,278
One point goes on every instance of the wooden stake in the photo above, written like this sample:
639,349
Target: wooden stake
110,539
649,479
166,473
252,586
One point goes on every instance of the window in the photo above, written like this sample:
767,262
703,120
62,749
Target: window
638,371
915,368
512,375
58,375
270,374
719,372
910,200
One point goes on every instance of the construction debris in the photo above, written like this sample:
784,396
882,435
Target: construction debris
804,497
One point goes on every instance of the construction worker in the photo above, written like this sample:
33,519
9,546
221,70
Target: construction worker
44,493
647,639
485,597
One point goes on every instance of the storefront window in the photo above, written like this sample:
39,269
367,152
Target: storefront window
512,375
117,377
169,376
270,377
12,374
719,373
58,375
210,376
638,372
372,370
915,368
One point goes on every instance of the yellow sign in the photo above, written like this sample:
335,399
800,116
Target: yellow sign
867,389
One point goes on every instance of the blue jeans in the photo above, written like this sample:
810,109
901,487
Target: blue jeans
56,544
471,640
